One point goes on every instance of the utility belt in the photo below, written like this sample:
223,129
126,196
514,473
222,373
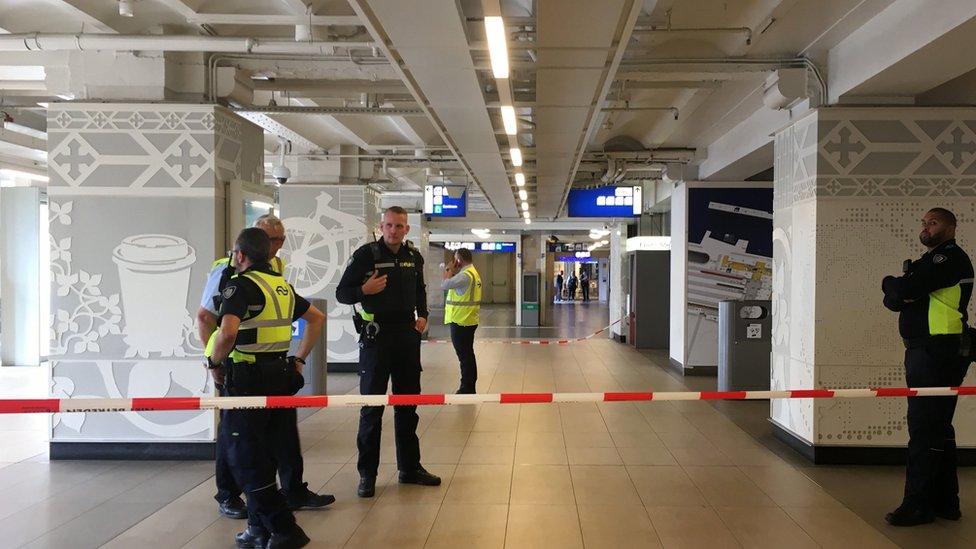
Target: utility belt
274,377
964,342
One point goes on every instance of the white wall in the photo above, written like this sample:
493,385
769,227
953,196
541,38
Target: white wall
679,280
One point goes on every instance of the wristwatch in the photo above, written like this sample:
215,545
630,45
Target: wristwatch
211,365
299,359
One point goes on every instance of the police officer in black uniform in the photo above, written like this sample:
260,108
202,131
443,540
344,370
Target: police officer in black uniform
931,298
387,278
248,356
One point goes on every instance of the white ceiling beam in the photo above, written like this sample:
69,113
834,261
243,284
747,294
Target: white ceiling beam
336,125
266,20
407,131
88,18
300,144
296,6
179,7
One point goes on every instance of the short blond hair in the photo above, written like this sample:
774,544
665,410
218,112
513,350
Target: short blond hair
269,222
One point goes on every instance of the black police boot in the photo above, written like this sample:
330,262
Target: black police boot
948,513
420,476
367,487
233,508
253,537
307,499
292,540
909,515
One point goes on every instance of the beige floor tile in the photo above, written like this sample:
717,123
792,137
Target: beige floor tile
396,525
727,486
474,526
641,439
332,529
667,486
614,526
543,526
599,439
603,485
646,456
413,493
764,527
838,527
593,456
789,488
476,483
542,484
544,418
541,449
492,438
488,454
710,456
691,527
439,437
752,457
441,454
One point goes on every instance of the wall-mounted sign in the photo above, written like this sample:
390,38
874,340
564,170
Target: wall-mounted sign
606,202
503,247
645,243
445,200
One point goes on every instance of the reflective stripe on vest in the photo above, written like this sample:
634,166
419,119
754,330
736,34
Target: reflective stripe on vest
277,264
272,326
464,309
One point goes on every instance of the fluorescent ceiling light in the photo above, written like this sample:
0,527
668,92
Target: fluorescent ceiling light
508,118
497,46
42,104
525,215
528,221
262,205
516,154
25,175
520,179
525,206
125,8
523,195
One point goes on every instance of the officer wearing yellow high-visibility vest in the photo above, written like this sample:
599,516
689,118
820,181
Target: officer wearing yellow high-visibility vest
248,355
287,446
462,311
932,298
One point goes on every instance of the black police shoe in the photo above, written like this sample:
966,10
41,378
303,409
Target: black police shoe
292,540
367,487
420,476
907,515
307,499
233,508
948,513
254,537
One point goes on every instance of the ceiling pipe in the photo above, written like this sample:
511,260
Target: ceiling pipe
123,42
380,111
644,27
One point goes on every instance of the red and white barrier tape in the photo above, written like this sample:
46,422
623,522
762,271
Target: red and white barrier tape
534,341
52,405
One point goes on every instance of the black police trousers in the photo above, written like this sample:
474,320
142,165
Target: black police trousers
930,481
393,355
249,441
462,337
287,455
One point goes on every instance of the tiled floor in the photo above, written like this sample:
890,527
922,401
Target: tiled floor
671,474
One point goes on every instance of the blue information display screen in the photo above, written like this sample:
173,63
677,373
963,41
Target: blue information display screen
445,200
605,202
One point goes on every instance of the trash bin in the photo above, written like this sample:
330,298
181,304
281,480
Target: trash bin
744,345
316,362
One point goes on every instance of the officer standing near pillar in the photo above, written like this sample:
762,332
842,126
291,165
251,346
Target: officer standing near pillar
931,298
248,356
386,278
288,450
462,312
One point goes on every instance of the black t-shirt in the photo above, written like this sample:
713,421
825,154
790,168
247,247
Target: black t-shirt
244,299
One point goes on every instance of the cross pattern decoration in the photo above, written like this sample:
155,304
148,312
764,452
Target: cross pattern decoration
183,159
843,148
957,146
72,159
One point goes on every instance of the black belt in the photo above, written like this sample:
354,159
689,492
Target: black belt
941,339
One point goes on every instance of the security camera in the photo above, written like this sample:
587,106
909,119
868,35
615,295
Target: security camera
281,174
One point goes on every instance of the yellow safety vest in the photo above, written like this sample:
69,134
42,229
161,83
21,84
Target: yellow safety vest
464,309
277,264
272,326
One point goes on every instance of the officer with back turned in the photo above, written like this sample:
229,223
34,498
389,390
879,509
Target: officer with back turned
386,278
931,298
248,356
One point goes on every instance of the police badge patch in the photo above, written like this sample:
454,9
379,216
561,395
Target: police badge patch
228,292
938,258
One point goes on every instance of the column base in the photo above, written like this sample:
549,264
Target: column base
858,455
693,370
136,451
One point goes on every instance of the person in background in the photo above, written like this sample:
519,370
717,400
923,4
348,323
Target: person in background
462,314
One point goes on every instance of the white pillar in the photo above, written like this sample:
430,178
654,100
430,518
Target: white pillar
20,325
